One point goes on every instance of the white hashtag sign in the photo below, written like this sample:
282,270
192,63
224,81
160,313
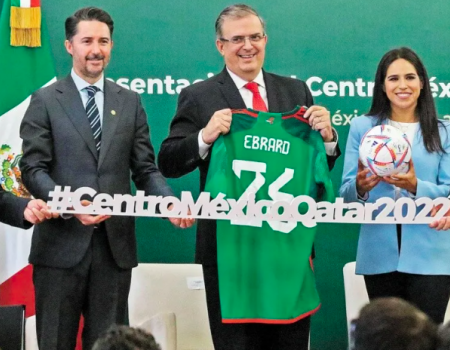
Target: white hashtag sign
60,200
301,209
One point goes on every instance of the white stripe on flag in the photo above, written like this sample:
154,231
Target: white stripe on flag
15,245
14,242
25,3
10,126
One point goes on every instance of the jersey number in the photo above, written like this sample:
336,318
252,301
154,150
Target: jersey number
275,194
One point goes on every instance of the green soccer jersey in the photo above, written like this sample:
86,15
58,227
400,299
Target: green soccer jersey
265,270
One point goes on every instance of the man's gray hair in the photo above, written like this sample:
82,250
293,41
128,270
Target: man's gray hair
236,11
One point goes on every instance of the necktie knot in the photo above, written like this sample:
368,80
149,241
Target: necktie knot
91,90
257,101
252,86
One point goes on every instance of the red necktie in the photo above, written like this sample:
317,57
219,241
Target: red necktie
258,102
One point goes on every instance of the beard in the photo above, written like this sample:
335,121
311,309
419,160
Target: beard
95,71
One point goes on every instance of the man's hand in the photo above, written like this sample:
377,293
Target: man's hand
37,211
182,222
219,124
319,119
88,219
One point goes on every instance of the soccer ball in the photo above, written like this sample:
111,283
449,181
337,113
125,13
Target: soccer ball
385,150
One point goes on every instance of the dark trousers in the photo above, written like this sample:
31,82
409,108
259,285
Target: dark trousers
250,336
96,287
430,293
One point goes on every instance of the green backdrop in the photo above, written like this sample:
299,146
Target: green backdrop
335,45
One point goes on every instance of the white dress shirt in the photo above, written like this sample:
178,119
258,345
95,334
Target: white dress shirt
99,96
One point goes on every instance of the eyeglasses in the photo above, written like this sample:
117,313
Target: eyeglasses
254,38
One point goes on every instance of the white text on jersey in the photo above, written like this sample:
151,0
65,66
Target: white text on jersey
266,144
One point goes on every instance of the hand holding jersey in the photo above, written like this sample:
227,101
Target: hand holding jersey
319,119
219,124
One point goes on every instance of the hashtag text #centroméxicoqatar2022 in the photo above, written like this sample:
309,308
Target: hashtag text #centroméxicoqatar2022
302,209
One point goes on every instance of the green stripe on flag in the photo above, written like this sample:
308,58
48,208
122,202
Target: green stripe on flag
22,70
15,3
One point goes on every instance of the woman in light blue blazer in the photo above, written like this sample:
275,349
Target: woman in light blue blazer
407,261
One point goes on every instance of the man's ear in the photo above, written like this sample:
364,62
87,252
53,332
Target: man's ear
219,45
69,47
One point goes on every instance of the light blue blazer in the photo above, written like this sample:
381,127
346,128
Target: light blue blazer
424,250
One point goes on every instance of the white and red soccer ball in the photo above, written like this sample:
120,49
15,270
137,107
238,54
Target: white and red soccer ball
385,150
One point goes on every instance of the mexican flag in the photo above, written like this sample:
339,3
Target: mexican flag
23,69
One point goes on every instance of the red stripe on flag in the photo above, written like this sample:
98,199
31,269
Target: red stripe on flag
19,289
35,3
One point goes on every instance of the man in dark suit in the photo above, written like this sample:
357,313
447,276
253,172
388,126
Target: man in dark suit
204,113
86,131
22,212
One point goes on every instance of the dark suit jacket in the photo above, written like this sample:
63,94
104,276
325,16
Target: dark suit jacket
59,149
179,152
12,209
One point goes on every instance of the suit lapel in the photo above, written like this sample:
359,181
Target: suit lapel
230,91
112,112
272,93
70,100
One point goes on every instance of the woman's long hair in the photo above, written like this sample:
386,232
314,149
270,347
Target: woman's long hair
425,110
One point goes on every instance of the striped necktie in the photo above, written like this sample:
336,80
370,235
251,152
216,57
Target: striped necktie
94,115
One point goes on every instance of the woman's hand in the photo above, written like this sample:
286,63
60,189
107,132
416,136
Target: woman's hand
406,181
365,183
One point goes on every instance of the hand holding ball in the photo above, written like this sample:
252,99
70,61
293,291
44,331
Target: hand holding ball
385,150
